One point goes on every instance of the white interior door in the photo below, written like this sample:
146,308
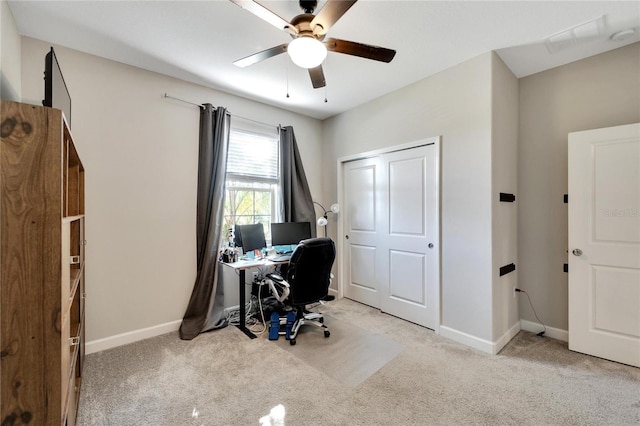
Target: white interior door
361,226
604,243
391,233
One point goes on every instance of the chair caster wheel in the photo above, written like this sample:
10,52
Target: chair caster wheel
327,333
321,320
292,342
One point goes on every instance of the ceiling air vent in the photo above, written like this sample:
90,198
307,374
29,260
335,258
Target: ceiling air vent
585,32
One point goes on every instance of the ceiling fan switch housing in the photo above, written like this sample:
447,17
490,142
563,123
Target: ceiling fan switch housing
308,5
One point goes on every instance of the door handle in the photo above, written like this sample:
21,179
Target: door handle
577,252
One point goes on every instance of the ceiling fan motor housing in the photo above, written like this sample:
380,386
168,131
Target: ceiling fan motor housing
302,23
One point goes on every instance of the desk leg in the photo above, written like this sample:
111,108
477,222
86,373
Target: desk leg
243,325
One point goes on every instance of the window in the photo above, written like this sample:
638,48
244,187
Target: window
252,180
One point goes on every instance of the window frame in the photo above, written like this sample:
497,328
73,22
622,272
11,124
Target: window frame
235,182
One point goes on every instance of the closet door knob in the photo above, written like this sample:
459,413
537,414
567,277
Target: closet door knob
577,252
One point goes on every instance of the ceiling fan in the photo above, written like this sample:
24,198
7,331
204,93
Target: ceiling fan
308,48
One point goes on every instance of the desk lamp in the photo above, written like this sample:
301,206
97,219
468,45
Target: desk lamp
322,221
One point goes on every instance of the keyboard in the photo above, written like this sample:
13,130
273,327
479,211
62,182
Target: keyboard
281,257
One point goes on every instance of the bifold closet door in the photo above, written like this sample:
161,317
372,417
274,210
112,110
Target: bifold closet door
391,233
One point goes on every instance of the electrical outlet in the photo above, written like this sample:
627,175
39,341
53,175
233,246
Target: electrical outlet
255,277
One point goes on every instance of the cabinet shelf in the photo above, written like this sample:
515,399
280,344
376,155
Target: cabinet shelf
69,219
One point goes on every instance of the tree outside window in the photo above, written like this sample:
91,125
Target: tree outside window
246,205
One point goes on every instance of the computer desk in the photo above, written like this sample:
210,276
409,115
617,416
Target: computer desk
241,266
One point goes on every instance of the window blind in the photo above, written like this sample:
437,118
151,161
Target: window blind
252,156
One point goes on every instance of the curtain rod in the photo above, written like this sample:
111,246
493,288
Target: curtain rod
166,95
181,100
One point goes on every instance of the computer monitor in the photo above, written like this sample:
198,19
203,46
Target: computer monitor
289,233
56,94
250,237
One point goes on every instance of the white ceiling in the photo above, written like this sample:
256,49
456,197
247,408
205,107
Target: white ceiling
197,41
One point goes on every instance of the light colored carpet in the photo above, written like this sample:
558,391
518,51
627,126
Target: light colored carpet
350,355
224,378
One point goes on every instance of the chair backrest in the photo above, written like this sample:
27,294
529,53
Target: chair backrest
309,272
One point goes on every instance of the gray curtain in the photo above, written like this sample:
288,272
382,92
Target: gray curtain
296,196
206,310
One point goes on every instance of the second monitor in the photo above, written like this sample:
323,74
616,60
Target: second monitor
289,233
250,237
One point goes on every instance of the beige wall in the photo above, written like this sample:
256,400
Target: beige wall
10,45
456,104
596,92
504,169
140,153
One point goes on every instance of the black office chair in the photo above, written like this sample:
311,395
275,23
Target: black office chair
308,279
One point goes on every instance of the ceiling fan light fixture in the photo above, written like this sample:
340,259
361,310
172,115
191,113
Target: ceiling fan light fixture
307,52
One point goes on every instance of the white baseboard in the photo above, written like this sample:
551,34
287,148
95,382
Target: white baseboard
478,343
554,333
466,339
506,337
130,337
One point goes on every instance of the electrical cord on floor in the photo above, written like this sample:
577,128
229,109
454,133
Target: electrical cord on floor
534,312
233,315
264,324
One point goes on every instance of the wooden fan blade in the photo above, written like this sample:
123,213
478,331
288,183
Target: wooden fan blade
260,56
329,15
317,77
265,14
358,49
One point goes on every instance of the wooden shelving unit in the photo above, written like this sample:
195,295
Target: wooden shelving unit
42,293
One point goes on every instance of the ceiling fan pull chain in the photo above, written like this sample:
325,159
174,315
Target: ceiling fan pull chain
326,62
325,94
287,78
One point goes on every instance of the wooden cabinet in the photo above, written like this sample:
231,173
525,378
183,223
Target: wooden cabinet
41,267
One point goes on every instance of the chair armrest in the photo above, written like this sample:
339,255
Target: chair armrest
275,277
272,280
